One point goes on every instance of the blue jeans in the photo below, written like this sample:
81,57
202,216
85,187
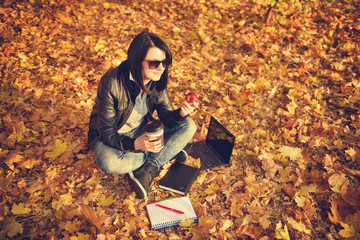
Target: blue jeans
112,160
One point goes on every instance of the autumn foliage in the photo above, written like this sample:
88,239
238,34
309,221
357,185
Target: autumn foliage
283,76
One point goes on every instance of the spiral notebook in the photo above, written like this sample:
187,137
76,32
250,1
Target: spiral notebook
170,212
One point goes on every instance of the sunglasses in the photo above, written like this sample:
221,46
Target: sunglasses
153,64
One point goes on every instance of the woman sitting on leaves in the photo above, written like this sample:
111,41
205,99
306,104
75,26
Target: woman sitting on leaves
126,99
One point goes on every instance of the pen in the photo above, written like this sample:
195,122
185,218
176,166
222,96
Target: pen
170,209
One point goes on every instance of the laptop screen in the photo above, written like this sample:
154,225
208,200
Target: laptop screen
220,139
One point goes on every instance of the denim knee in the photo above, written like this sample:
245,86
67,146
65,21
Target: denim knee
109,166
190,125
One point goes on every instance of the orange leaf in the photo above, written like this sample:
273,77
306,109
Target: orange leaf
14,158
5,182
334,218
64,18
30,163
91,215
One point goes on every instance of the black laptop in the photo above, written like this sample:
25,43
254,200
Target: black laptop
216,150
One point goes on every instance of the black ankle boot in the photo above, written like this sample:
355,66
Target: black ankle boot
141,178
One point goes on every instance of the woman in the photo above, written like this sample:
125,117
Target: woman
126,99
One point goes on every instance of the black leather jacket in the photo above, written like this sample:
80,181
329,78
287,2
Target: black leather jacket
114,103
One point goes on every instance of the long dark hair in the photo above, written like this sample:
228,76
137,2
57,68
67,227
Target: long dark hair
137,52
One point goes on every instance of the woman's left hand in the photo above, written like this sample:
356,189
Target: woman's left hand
187,108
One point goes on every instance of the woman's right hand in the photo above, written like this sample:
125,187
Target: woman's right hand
145,143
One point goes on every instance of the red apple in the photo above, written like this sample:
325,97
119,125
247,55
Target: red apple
191,98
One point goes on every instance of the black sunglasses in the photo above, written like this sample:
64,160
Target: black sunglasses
153,64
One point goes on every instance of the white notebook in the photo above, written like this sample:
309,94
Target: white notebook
170,212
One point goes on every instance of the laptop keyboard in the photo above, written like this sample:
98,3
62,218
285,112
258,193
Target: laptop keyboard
208,157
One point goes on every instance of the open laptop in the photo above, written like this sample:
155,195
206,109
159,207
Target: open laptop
216,150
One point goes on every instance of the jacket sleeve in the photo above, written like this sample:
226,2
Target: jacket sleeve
167,114
107,102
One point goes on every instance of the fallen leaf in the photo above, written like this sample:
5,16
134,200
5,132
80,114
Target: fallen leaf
5,182
281,233
91,215
268,164
228,223
12,227
64,18
334,216
30,163
104,202
336,181
20,209
298,225
60,148
293,153
348,232
14,158
186,223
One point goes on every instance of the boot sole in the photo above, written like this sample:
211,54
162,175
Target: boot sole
138,188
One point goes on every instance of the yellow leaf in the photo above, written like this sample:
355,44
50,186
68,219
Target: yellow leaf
92,182
80,236
19,131
228,223
228,100
58,79
12,228
186,223
305,190
300,200
298,226
104,202
293,153
60,148
351,152
259,132
72,226
20,209
99,45
64,200
281,233
132,208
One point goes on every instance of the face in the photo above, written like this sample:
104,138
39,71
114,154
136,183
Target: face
153,54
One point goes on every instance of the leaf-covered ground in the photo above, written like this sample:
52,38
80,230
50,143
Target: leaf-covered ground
285,83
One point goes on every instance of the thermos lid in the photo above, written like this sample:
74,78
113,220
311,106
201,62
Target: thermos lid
154,126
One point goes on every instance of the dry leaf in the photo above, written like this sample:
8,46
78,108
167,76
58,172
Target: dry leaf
20,209
281,233
334,216
298,225
293,153
104,202
12,227
60,148
14,158
91,215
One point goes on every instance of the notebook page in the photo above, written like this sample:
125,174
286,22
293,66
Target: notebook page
161,218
